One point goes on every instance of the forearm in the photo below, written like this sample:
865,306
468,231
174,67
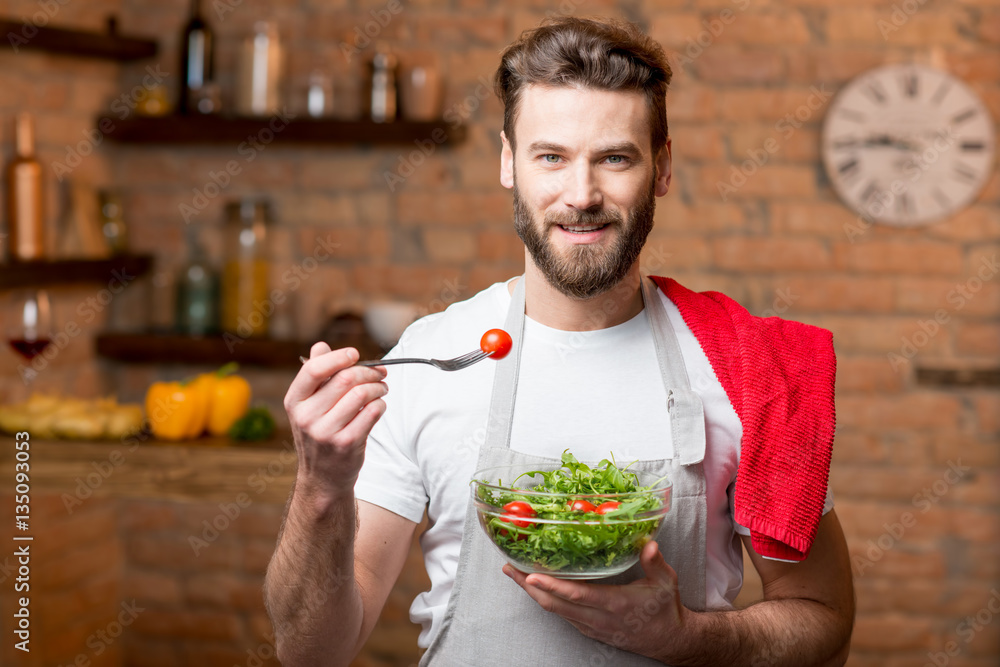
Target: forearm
310,590
775,633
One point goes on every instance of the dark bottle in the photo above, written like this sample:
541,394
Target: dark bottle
197,47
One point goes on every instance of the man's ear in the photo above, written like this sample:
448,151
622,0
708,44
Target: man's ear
663,172
506,163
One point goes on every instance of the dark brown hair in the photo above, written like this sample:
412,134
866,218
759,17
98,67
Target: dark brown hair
570,51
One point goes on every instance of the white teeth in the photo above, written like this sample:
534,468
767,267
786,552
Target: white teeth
582,229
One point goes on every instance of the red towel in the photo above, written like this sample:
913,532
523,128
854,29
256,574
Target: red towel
779,377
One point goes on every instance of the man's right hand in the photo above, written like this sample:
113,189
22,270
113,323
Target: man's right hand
332,406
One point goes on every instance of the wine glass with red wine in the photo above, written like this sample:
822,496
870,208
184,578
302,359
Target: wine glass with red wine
29,329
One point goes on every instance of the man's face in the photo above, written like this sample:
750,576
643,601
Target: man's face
584,179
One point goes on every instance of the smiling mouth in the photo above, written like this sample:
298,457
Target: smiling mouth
582,229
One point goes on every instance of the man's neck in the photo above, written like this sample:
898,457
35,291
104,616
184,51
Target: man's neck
547,305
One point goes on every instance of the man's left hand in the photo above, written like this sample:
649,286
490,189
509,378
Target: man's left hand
636,617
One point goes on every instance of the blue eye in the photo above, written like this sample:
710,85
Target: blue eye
551,158
616,159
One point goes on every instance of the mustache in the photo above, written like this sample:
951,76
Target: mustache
584,218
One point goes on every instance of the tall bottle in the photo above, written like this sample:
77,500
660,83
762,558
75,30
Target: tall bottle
25,221
197,47
197,303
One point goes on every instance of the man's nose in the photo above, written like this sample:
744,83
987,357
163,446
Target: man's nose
581,189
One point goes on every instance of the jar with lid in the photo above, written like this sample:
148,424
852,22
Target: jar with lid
246,310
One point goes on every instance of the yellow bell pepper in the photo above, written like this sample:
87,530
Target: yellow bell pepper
230,399
178,410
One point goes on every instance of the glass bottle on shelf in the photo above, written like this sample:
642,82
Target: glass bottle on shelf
197,47
25,220
382,85
259,75
113,222
197,302
246,310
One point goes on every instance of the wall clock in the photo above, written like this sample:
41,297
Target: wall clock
907,145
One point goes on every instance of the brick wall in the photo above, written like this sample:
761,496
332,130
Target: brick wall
924,534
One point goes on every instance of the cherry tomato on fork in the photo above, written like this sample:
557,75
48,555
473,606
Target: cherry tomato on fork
496,343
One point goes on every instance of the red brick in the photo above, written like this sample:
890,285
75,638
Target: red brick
419,208
256,555
450,246
500,246
333,172
856,447
448,29
921,258
696,143
673,214
876,27
924,410
151,587
138,516
189,624
973,223
666,254
901,562
867,375
833,65
802,145
981,491
770,255
987,412
688,101
768,105
893,632
145,652
677,31
781,29
975,339
722,64
80,562
748,180
176,553
974,67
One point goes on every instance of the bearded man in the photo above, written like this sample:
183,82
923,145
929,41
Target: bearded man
735,411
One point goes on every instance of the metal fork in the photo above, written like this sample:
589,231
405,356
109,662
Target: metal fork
456,364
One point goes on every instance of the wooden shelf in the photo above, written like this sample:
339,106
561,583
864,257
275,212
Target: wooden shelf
55,272
108,45
233,130
217,349
958,377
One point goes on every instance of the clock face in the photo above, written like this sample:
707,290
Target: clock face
907,144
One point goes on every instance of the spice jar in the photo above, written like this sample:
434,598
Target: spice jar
246,309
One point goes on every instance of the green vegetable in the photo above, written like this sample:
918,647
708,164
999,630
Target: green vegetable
590,540
256,424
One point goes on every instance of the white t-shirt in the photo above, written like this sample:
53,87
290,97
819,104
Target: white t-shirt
595,393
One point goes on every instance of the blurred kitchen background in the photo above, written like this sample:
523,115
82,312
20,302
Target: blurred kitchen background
335,174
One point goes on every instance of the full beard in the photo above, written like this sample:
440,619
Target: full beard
586,270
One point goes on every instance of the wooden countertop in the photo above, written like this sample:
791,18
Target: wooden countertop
208,469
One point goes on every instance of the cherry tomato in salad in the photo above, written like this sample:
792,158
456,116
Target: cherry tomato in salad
496,343
581,505
518,509
608,506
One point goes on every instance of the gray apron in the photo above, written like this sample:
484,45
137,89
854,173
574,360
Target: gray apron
490,620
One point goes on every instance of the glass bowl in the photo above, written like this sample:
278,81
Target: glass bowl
567,535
